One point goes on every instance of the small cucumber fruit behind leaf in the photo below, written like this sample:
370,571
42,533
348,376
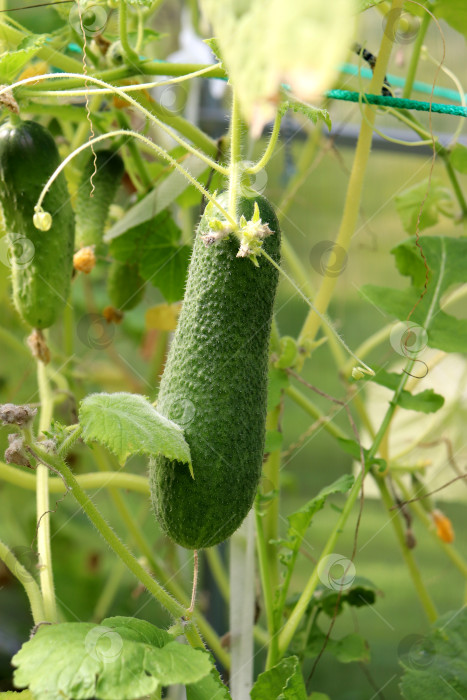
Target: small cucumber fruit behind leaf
41,261
92,212
215,386
125,286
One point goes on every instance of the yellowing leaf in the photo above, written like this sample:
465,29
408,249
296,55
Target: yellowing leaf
162,317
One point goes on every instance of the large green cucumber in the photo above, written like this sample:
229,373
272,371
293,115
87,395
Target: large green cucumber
92,212
215,385
41,278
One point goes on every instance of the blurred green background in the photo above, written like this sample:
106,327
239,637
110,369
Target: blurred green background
85,571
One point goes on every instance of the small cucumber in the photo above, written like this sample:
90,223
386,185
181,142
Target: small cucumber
125,286
28,156
215,386
92,212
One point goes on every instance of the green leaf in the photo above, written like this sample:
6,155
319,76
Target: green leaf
128,424
299,521
454,12
12,62
408,204
278,380
140,3
120,659
154,246
458,158
274,440
265,44
318,696
158,199
359,593
208,688
24,695
282,682
313,113
352,647
353,448
425,401
435,666
446,259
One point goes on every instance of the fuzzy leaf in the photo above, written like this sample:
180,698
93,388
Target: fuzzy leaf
155,247
352,647
278,380
435,666
458,158
446,259
454,12
282,682
128,424
265,43
12,62
208,688
313,113
120,659
408,204
425,401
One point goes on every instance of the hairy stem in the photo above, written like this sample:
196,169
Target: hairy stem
42,503
355,187
24,577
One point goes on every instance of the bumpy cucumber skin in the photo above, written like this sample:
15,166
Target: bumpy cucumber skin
92,212
215,385
28,156
125,286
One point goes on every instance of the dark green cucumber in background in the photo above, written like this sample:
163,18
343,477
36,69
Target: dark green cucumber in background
92,212
41,261
125,286
215,386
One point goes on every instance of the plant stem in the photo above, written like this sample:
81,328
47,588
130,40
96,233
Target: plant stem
218,571
415,57
414,571
24,577
51,52
42,503
355,188
269,149
94,480
314,412
135,154
271,470
455,185
450,551
235,156
110,537
266,586
299,610
129,53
